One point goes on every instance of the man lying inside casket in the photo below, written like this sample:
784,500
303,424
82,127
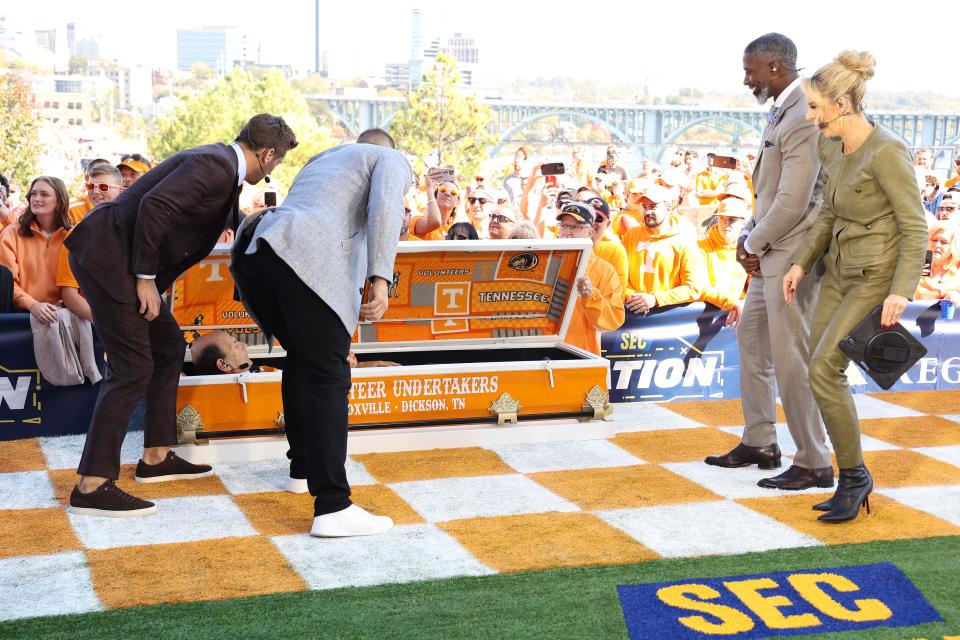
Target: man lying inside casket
219,352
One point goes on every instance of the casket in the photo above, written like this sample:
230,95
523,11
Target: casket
476,331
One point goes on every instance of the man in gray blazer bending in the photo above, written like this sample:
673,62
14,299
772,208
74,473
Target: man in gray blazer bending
300,270
774,337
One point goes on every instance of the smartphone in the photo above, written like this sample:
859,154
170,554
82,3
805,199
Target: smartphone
927,264
552,169
446,175
270,198
725,162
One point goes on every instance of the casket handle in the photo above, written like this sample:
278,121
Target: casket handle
242,381
548,366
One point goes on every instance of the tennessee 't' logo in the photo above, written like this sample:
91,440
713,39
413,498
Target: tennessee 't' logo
524,261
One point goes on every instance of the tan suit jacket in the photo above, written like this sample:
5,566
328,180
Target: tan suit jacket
785,179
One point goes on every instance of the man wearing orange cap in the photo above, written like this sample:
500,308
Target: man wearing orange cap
132,166
599,305
665,263
726,278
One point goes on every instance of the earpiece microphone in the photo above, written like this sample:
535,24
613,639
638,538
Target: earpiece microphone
266,178
824,125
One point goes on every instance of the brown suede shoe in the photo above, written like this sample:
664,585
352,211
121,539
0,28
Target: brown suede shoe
743,456
109,500
173,467
797,478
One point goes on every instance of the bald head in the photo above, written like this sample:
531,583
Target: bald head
219,352
378,137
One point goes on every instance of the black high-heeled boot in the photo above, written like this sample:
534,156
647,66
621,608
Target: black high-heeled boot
826,505
853,491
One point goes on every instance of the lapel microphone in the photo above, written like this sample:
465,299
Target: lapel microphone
824,125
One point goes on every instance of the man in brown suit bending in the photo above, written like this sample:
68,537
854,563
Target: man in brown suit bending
124,255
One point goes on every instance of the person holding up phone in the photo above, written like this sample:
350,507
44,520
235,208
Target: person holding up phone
443,196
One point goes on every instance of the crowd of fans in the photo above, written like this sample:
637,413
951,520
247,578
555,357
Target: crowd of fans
668,233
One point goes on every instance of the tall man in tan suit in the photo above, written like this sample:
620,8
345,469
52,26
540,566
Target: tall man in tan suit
774,337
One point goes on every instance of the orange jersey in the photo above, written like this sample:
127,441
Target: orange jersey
936,287
669,264
79,209
612,251
436,234
725,277
601,311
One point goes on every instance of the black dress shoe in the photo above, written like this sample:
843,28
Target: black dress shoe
853,492
743,456
797,478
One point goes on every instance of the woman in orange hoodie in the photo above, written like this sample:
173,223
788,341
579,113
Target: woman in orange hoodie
30,248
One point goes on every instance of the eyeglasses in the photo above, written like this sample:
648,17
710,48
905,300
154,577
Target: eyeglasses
570,228
459,236
948,209
449,190
499,218
482,201
103,186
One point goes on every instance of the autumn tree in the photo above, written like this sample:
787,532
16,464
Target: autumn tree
218,114
19,130
440,125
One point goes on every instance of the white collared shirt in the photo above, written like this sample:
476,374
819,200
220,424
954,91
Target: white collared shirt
242,163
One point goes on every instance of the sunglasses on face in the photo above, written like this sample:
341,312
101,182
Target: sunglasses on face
102,186
459,236
453,192
499,218
482,201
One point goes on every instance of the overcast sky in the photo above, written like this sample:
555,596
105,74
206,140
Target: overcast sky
663,45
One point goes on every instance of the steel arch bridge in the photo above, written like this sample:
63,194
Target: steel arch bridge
654,127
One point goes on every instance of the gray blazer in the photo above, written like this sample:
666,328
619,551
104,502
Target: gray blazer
340,223
787,186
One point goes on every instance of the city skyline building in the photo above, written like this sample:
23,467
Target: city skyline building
219,47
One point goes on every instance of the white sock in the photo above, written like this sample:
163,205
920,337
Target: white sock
352,521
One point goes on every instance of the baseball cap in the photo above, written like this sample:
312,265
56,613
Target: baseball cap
137,166
566,195
656,193
734,208
580,211
600,207
736,189
480,193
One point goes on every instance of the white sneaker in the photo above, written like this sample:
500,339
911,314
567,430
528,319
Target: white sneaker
296,485
352,521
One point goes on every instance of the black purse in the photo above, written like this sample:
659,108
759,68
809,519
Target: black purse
883,354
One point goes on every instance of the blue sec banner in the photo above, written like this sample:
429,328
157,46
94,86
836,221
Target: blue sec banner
685,353
29,405
803,602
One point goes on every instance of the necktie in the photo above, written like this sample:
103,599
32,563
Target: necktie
772,116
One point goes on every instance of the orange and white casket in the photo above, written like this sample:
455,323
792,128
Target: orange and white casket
475,329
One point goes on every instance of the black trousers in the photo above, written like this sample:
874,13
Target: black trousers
316,375
143,359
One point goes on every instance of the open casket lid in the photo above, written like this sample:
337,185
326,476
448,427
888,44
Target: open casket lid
477,291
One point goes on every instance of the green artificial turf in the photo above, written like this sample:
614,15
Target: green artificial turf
567,603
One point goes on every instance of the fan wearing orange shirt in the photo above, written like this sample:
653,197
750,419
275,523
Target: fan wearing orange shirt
443,196
726,279
599,305
665,264
104,184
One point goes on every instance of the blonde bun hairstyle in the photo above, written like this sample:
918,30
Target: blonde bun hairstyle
845,77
